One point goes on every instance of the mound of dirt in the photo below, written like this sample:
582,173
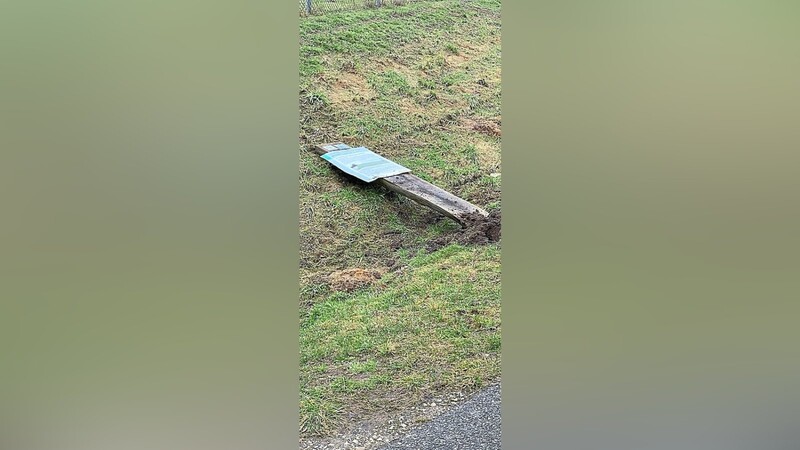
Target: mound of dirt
349,280
481,230
492,129
477,230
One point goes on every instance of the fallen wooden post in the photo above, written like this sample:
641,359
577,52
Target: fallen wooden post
419,190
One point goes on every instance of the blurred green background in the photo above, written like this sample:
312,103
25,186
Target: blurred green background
650,207
149,226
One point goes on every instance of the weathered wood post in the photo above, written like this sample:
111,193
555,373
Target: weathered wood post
308,7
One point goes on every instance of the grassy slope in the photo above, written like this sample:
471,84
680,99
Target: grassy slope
411,82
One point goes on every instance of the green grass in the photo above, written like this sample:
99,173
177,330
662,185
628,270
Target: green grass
409,82
434,326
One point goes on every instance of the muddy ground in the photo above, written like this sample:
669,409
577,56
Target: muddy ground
477,230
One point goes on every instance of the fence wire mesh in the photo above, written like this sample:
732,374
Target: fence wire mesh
310,7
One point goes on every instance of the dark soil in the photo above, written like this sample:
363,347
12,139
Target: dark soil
492,129
476,230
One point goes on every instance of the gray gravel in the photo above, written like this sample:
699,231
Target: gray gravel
474,425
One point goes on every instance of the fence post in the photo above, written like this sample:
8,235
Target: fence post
377,3
308,6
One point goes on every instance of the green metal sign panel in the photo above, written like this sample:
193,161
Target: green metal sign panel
362,163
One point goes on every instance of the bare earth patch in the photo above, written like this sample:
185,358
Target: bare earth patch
349,280
487,127
478,230
350,87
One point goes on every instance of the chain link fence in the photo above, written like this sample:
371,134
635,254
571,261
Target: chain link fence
309,7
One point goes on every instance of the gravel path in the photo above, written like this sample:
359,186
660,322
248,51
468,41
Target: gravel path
474,418
474,425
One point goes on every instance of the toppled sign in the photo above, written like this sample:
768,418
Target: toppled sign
368,166
363,163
